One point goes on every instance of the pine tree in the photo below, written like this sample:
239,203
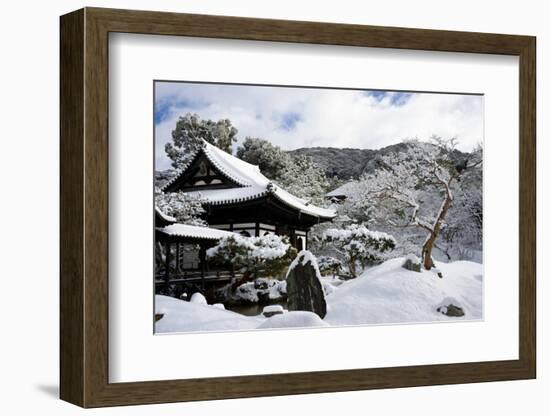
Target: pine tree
190,129
358,245
185,208
271,159
265,256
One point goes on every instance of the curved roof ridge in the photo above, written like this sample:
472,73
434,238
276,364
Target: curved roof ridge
243,173
302,205
181,169
165,217
193,231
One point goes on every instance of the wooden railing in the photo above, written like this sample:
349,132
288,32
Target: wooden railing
195,276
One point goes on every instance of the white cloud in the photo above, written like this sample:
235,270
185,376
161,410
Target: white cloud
327,117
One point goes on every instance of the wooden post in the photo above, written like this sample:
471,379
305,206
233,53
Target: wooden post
178,257
182,260
167,263
202,259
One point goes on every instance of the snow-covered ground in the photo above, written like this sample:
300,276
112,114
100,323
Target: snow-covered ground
389,293
384,294
182,316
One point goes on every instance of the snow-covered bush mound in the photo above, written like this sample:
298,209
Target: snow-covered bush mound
389,293
261,290
329,265
182,316
293,319
198,297
358,245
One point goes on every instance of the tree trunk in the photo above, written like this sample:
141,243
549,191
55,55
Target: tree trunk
427,248
246,277
353,268
428,245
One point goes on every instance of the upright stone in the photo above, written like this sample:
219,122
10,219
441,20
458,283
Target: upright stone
303,285
412,263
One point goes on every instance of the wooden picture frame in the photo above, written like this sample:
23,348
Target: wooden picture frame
84,207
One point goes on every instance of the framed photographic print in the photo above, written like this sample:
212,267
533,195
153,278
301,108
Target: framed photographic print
256,207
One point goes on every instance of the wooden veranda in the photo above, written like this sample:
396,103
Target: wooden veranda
172,241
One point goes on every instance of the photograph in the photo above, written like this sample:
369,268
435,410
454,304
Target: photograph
282,206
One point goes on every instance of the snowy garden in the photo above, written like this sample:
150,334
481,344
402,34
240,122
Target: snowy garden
401,243
384,294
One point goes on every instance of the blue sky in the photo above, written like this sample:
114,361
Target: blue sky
306,117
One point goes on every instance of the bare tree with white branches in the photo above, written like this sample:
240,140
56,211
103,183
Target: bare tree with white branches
398,189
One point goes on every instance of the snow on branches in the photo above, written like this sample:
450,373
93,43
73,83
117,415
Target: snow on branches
185,208
297,174
358,245
189,132
265,256
399,189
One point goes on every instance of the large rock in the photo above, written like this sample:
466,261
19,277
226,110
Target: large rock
449,306
451,310
412,263
271,310
303,285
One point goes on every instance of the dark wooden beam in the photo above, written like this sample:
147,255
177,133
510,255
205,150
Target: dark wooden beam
178,256
167,262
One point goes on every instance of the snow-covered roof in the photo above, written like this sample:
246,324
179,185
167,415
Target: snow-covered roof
343,190
192,231
165,217
252,184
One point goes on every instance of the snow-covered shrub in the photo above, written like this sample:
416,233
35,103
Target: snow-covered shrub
268,255
358,245
198,297
185,208
267,290
329,265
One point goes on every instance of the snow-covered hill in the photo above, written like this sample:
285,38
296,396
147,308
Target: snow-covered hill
389,293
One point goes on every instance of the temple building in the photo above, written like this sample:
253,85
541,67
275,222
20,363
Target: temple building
340,194
238,198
